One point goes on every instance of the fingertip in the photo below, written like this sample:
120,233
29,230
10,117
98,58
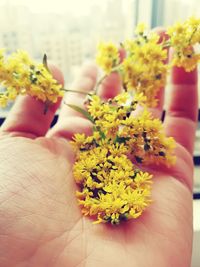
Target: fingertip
57,74
180,76
29,116
53,107
111,86
161,31
59,77
85,79
122,54
89,69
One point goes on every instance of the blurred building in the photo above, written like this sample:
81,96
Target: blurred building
68,40
15,28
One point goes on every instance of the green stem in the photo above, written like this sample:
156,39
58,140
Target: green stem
104,77
194,31
99,82
75,91
44,61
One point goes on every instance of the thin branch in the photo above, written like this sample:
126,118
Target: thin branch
76,91
99,82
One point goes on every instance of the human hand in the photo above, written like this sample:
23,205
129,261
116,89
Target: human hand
40,222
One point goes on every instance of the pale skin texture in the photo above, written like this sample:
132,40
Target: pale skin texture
40,222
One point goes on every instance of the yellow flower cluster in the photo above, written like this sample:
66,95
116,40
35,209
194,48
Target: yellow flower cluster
144,68
21,75
183,38
112,183
107,56
111,187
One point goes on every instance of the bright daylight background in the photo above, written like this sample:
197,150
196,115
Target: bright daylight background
68,32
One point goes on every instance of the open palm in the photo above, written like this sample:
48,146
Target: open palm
40,222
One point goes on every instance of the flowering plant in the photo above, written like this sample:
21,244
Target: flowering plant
113,185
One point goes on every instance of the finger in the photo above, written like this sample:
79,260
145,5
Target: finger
85,82
111,86
27,117
181,114
158,110
71,121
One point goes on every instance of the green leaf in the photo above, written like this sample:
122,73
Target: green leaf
121,140
98,129
44,61
102,134
82,111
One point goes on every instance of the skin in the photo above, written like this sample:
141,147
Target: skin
40,221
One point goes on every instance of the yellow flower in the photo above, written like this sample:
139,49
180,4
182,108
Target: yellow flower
142,179
107,56
141,27
3,100
95,107
144,71
122,98
21,75
188,59
140,98
111,188
182,37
